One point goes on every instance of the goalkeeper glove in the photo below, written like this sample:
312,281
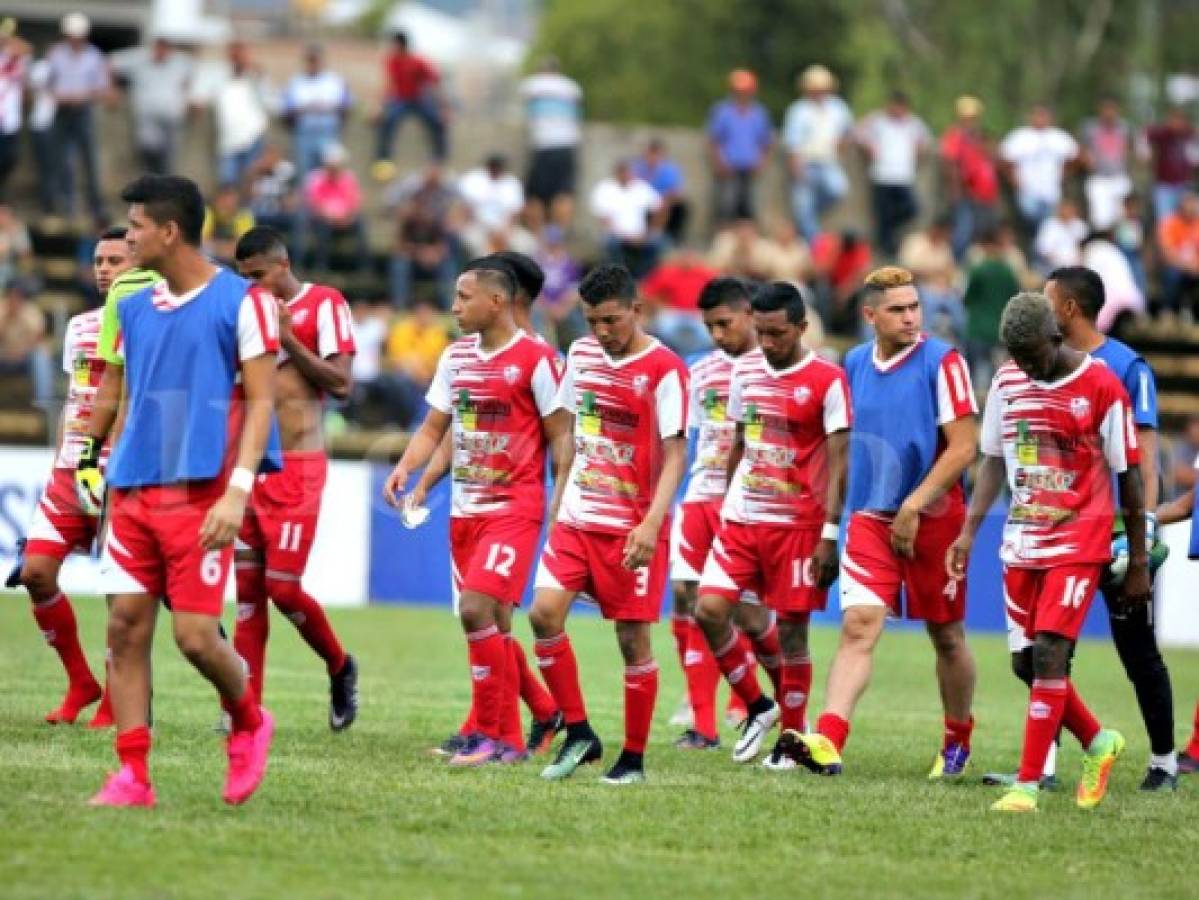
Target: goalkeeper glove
1158,551
89,483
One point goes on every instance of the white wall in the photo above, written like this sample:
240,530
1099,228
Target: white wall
1177,594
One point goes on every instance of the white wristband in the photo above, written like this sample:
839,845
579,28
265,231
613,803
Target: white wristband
242,479
830,532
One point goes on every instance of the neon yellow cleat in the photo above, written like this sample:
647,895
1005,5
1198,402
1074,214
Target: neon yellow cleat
1019,798
1097,768
814,752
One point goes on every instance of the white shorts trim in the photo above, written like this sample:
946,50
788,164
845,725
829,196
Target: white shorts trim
113,579
855,593
1017,640
680,569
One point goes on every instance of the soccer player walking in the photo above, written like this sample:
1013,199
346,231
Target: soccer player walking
61,523
1058,422
628,394
781,518
275,541
914,434
499,389
199,352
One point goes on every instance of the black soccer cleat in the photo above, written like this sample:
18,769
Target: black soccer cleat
343,696
541,734
629,769
1159,780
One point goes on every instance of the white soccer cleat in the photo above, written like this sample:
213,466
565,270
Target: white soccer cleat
753,731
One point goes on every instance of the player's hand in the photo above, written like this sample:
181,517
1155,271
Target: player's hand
957,556
285,333
903,531
1138,589
224,519
824,563
419,494
89,483
639,545
394,487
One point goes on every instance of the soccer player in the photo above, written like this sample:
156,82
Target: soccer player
1077,296
781,518
914,434
1059,423
316,349
60,523
546,718
724,304
628,394
499,389
199,349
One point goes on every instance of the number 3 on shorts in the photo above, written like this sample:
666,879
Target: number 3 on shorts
641,585
210,567
1076,590
500,558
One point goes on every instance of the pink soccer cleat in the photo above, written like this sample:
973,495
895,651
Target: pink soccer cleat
123,789
478,751
248,752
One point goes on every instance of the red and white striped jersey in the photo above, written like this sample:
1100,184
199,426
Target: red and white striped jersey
623,410
497,400
707,413
83,365
786,415
320,320
1061,444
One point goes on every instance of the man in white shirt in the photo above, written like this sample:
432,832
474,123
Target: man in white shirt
816,126
553,113
239,99
629,210
893,140
1034,158
315,104
159,83
493,197
14,58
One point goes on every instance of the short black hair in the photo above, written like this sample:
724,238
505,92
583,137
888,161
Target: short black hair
170,198
530,277
401,38
495,272
780,295
260,240
726,290
608,281
115,233
1083,286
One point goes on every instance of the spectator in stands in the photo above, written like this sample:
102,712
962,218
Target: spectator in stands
16,250
159,82
414,345
315,104
1173,152
1123,296
553,116
14,60
333,206
990,283
928,255
79,78
240,100
894,140
1059,239
556,313
816,126
969,175
740,137
1106,155
1178,242
1185,456
412,88
23,341
792,258
226,219
673,290
655,167
742,249
424,246
1034,159
41,133
273,197
631,214
1128,234
369,323
493,198
839,263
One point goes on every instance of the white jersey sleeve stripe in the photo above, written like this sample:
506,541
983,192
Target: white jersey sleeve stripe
566,390
256,327
327,343
440,393
1114,432
991,437
671,405
836,410
545,388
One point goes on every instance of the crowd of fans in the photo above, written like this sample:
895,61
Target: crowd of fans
1000,212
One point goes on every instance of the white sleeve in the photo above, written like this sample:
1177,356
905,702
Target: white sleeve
653,199
68,348
1117,434
693,404
545,388
991,437
671,405
836,409
955,393
257,326
440,395
736,401
327,343
566,389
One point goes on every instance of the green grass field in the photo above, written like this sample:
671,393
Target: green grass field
369,813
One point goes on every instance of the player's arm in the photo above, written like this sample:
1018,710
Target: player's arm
824,559
559,427
1177,510
643,539
988,482
437,468
1137,585
1151,485
330,373
421,447
736,453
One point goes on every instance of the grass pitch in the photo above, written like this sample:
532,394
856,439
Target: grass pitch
369,814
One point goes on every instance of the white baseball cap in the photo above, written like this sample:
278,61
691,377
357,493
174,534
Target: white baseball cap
76,25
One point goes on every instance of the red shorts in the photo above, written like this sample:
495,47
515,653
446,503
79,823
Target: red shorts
60,524
1053,600
492,555
872,574
153,546
283,511
590,562
772,562
695,527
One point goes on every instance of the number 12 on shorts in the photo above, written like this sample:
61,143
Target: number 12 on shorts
500,558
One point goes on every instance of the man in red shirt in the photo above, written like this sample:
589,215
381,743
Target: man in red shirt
971,180
673,288
413,88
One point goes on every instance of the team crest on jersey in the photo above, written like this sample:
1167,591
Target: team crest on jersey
1080,406
299,317
640,383
802,394
511,374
